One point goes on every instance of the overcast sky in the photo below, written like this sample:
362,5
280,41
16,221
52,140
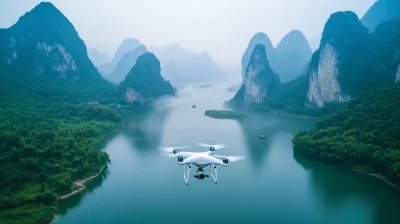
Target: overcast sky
221,28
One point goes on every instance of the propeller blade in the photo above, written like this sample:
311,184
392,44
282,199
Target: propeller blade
171,149
204,145
231,158
169,155
167,149
236,158
217,146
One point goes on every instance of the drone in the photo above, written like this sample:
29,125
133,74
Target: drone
201,160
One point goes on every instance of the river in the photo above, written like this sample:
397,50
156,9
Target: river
271,186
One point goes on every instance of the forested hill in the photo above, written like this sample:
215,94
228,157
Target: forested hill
49,130
365,135
144,81
44,42
45,143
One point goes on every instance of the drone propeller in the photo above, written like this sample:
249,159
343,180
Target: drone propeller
184,154
231,158
217,146
171,149
169,154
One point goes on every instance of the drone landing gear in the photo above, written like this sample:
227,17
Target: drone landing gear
215,179
186,171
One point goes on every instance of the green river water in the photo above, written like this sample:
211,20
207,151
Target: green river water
271,186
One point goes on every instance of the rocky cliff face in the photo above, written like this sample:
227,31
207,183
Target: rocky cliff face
337,62
144,81
44,42
260,78
289,59
258,38
324,86
381,11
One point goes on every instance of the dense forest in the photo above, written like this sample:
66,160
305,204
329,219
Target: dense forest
365,135
46,144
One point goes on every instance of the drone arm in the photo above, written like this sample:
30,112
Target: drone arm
214,167
186,173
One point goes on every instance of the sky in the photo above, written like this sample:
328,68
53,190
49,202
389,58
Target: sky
222,28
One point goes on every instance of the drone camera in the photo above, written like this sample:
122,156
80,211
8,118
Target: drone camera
200,174
225,161
180,158
212,149
175,151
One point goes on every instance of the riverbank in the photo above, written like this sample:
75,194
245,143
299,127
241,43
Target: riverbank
379,177
280,113
81,184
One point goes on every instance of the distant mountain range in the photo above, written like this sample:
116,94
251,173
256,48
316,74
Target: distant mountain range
124,65
350,61
44,43
126,46
179,65
288,59
381,11
98,58
182,66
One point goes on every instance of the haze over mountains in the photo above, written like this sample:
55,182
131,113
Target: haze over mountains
126,45
381,11
57,107
44,43
179,65
98,58
183,66
288,59
332,76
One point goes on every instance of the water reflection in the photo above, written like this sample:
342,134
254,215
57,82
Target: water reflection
146,129
75,200
359,188
268,125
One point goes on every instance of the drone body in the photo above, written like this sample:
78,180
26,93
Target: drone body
201,160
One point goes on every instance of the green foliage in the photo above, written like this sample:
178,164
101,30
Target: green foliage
145,78
366,133
45,25
224,114
45,143
288,98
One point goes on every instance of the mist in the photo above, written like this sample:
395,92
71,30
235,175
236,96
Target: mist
221,28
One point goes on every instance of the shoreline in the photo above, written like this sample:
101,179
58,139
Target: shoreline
379,177
280,113
80,183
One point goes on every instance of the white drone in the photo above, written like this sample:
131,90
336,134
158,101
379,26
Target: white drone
201,160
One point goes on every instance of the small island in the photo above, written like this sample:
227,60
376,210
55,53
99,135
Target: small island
224,114
203,86
234,88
